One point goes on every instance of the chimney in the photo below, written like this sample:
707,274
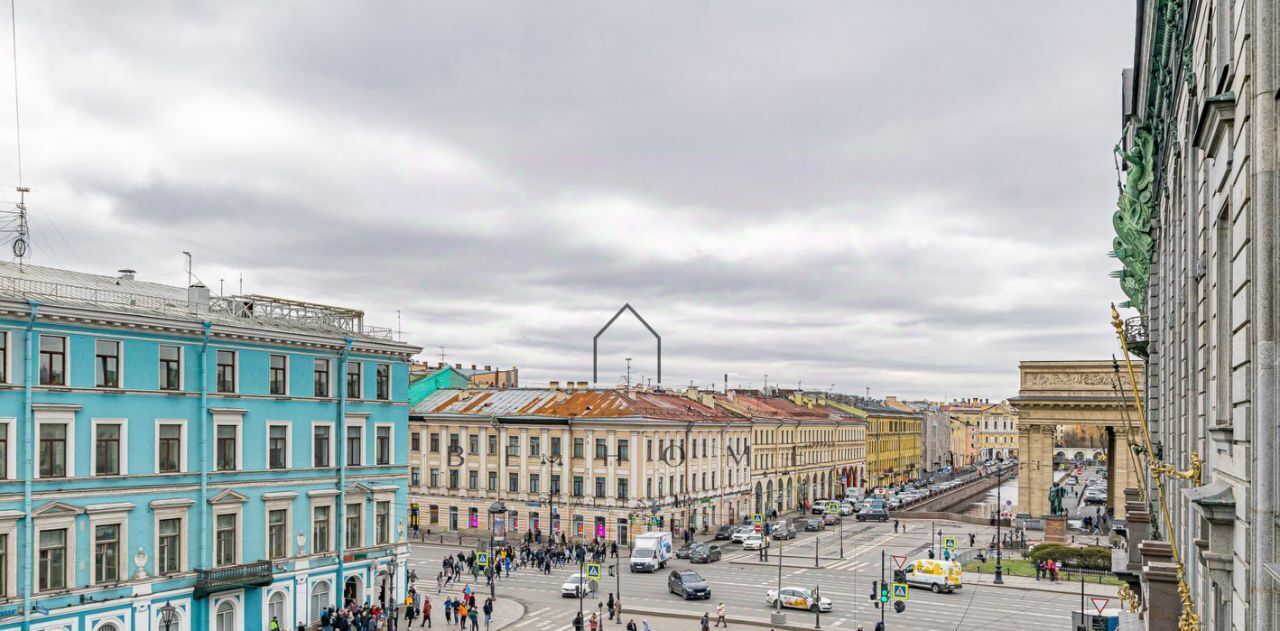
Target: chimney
554,385
486,367
458,366
708,399
198,298
473,366
582,385
127,274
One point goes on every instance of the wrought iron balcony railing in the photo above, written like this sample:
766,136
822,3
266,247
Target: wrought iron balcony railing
219,579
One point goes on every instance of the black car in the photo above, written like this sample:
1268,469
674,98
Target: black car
725,533
814,524
683,551
688,584
872,514
704,553
783,532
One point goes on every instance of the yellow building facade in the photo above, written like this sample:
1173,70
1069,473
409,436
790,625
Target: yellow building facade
893,439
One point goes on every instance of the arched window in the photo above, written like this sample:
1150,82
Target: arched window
320,599
225,618
107,626
275,609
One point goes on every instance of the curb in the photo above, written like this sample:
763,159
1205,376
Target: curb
523,610
1087,591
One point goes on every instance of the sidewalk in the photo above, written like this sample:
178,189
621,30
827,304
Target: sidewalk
661,619
1025,583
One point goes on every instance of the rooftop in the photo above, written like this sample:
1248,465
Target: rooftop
53,286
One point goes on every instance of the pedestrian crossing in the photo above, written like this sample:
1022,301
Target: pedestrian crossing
545,618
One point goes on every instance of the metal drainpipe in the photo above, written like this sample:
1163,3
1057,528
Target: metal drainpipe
25,426
341,503
1264,189
203,432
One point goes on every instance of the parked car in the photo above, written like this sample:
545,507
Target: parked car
705,553
1072,481
818,507
688,584
893,504
741,533
872,514
683,551
577,586
755,542
814,524
830,519
797,598
724,533
783,531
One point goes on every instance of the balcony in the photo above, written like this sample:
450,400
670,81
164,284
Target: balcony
233,577
1135,333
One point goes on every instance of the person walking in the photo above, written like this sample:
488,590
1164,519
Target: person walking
631,625
594,623
644,624
720,621
705,623
473,614
577,621
426,613
609,606
895,526
488,612
274,625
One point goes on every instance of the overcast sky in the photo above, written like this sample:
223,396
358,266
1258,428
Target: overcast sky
906,197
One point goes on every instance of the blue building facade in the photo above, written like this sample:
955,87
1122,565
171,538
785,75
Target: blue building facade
212,463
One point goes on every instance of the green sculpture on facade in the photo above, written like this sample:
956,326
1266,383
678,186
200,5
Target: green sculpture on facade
1133,244
1056,493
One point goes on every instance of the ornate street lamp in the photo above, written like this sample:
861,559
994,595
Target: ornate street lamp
999,577
168,616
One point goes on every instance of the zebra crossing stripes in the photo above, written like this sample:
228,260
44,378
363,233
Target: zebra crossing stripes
544,619
847,565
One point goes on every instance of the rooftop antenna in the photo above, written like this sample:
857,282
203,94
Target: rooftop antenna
20,236
399,333
868,392
221,290
441,354
628,373
241,283
188,254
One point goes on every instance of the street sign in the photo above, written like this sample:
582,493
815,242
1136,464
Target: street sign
899,561
757,519
949,543
593,570
1099,604
482,559
900,591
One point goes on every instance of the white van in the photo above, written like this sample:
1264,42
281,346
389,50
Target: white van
937,575
651,551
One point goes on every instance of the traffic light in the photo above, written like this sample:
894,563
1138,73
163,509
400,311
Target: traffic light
884,593
899,576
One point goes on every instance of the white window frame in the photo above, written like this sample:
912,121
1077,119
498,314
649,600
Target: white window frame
119,362
66,361
390,380
237,602
325,497
333,448
391,443
57,417
281,500
364,445
235,377
227,508
8,357
117,514
346,376
60,522
124,445
285,589
288,443
182,366
9,526
286,375
166,509
331,581
329,362
358,502
182,444
239,425
11,450
390,498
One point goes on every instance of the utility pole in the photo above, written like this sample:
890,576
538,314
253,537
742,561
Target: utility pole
628,374
882,586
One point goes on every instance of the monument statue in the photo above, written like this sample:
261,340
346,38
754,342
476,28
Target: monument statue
1056,493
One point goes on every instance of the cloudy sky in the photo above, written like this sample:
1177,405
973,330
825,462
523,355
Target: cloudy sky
906,197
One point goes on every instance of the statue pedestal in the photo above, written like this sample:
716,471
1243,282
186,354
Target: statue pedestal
1055,528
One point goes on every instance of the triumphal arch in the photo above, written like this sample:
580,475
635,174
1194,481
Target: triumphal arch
1091,395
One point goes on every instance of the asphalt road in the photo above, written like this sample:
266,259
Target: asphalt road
741,583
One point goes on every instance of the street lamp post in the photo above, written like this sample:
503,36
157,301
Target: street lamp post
999,577
168,616
495,509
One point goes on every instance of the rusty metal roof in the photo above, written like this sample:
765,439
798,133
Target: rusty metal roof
488,402
770,407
